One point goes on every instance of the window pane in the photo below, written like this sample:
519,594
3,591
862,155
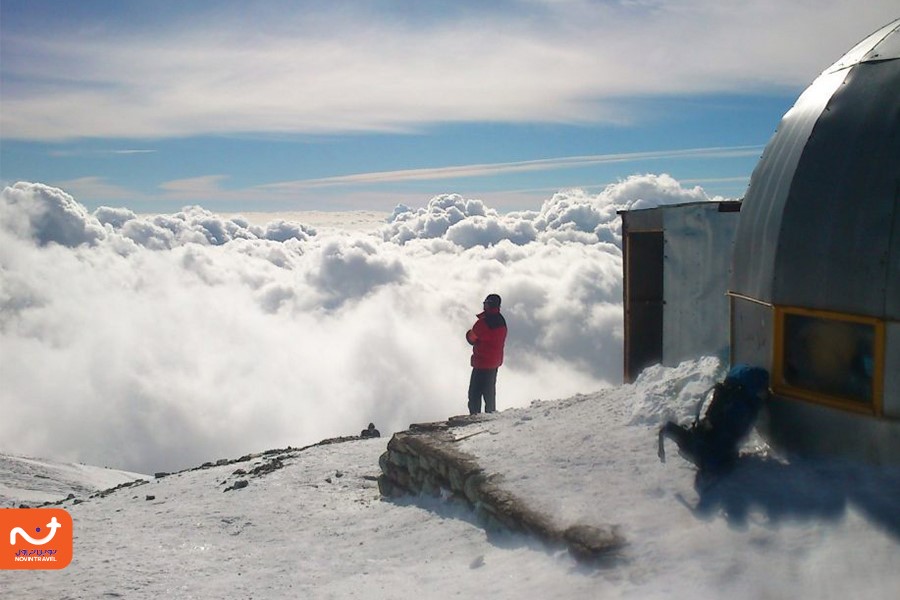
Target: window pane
829,356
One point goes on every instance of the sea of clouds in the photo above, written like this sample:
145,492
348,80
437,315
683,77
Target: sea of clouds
155,343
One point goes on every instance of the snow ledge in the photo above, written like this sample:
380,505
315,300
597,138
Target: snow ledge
425,461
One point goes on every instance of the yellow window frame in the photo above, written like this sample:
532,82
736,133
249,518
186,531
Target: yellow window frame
781,387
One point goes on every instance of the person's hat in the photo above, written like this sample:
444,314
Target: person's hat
492,300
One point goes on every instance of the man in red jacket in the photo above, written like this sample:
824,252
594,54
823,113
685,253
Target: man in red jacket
487,337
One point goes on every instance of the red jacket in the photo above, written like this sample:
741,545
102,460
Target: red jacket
487,337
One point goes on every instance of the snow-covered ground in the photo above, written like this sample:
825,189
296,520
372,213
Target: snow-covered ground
317,528
33,481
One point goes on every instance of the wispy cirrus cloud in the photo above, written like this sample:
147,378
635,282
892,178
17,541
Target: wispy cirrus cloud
132,151
76,152
96,188
206,184
311,68
493,169
365,186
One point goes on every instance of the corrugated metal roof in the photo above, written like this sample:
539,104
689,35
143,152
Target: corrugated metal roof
820,222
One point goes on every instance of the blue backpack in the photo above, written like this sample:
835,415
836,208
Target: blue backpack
712,442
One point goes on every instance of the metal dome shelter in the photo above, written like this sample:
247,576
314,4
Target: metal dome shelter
815,288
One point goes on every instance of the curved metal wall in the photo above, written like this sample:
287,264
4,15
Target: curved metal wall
820,224
837,224
756,242
820,229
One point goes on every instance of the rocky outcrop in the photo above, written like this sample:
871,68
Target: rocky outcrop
269,461
426,460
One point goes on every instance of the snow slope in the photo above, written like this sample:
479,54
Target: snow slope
33,481
311,524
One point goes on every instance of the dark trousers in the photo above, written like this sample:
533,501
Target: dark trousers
483,383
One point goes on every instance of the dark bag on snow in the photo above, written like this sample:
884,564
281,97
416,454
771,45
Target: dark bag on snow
712,442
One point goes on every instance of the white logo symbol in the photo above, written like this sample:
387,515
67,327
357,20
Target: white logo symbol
53,525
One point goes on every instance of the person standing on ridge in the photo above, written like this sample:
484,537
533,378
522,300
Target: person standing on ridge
370,432
487,338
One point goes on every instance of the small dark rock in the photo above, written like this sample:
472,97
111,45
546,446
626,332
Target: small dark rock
267,467
588,543
436,426
237,485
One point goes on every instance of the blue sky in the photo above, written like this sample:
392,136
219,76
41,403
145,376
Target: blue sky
284,106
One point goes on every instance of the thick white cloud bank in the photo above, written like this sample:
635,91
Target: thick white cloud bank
157,343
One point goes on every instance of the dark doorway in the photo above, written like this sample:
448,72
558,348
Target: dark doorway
643,301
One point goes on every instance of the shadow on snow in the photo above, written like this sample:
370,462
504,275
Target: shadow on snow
801,490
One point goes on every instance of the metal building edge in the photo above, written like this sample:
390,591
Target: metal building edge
819,239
